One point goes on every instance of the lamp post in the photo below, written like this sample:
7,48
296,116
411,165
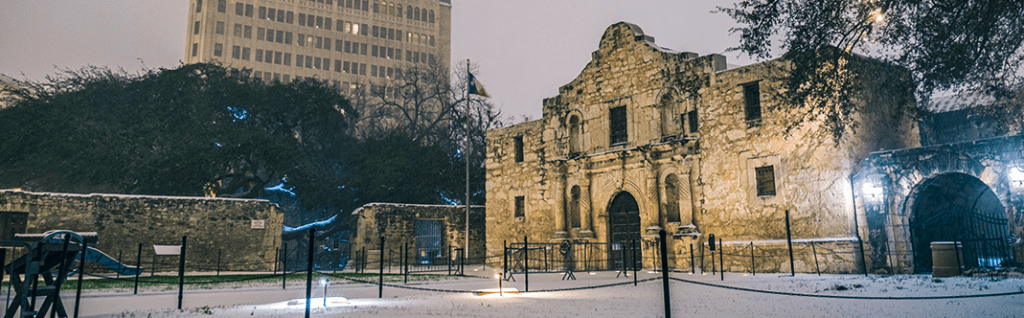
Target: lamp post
498,276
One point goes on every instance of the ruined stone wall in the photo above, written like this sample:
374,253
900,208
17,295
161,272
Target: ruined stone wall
397,223
690,179
124,221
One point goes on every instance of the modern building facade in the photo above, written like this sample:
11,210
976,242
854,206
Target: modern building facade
346,42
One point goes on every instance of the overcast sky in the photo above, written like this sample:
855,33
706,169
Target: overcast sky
525,49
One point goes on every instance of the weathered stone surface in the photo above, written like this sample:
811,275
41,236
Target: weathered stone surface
570,151
124,221
397,224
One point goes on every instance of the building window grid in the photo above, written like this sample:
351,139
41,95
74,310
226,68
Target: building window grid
765,177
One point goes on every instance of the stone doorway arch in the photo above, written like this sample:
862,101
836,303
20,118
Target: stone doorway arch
623,229
958,207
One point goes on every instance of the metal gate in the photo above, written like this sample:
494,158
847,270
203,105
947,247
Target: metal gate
960,208
624,216
429,246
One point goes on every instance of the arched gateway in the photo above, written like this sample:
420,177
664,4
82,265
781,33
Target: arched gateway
624,229
958,207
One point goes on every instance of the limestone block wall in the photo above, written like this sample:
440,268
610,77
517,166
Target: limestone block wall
124,221
572,169
397,223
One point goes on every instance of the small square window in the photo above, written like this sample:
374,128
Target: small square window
765,180
195,28
218,49
248,10
239,8
692,120
220,27
245,53
520,207
247,33
195,49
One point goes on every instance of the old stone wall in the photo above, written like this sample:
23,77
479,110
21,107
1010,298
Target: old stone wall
397,224
124,221
688,160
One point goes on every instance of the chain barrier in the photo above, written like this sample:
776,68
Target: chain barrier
1020,292
131,279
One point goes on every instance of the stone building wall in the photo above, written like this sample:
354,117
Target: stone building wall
688,178
124,221
397,223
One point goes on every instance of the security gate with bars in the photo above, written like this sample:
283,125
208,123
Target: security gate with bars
958,207
430,249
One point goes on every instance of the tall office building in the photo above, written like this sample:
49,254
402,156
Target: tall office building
345,42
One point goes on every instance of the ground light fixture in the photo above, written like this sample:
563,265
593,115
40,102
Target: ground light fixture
324,282
498,276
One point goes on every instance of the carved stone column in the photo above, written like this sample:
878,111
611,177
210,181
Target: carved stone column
586,210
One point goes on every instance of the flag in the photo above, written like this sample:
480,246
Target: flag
475,87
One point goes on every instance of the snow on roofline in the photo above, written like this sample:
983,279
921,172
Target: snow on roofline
137,196
360,209
289,229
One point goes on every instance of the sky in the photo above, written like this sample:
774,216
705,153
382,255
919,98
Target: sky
524,49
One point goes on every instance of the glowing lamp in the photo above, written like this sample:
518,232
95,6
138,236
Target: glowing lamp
1016,175
872,191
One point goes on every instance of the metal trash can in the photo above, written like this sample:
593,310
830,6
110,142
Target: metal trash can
947,259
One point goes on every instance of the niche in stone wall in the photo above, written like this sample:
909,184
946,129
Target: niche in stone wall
575,129
667,106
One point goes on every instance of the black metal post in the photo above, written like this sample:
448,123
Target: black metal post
284,267
789,240
309,268
462,263
526,262
380,284
405,263
713,269
664,274
721,258
81,276
61,272
277,259
218,261
365,259
138,263
634,263
693,270
181,271
504,264
152,271
753,272
815,252
956,249
449,260
701,259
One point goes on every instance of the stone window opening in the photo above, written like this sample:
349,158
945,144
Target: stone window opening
765,177
518,143
752,103
691,121
520,211
617,117
667,106
575,142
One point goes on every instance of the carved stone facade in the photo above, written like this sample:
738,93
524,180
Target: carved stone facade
699,147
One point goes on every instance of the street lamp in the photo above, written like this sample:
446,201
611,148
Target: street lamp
498,276
872,191
1016,176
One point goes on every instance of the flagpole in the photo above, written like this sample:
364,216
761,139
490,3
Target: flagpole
465,155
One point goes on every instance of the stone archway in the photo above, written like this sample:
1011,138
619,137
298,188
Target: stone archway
958,207
624,228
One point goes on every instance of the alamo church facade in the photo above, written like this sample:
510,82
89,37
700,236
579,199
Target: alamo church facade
625,150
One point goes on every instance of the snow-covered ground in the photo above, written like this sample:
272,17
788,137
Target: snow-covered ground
688,299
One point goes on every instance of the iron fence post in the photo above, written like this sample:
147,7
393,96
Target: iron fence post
81,276
664,274
181,271
526,262
138,263
789,241
380,284
753,272
309,268
721,258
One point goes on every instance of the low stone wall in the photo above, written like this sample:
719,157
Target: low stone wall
397,223
833,256
212,225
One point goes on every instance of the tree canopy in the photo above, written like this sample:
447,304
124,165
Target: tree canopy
199,129
945,46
